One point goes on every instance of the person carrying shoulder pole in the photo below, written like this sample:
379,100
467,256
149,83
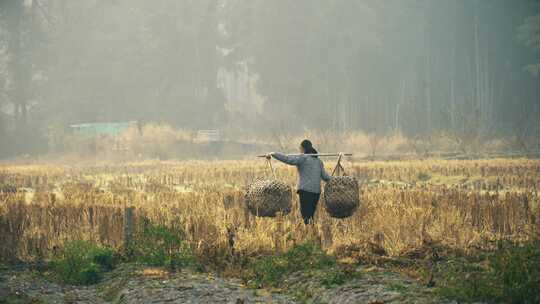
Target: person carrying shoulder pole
310,173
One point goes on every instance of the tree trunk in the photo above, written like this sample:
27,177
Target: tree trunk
17,91
478,83
427,82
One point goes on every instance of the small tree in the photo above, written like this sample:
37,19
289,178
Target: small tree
466,132
522,132
374,140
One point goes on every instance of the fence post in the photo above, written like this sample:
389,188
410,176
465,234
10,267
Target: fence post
128,230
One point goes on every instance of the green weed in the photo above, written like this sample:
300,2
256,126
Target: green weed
334,277
270,270
512,275
398,287
18,299
82,262
157,245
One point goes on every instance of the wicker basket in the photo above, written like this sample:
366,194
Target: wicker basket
268,197
341,196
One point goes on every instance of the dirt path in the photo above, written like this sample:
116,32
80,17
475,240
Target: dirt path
132,284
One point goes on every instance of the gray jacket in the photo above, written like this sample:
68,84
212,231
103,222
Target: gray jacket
310,170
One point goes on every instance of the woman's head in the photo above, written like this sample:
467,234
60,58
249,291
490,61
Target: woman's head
306,147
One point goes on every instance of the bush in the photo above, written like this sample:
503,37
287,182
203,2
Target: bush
157,245
104,257
82,262
512,276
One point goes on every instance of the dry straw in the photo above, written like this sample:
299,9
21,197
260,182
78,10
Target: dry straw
206,200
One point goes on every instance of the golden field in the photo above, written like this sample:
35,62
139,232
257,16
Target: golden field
405,205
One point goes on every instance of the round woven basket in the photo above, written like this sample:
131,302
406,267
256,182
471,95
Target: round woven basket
268,197
341,196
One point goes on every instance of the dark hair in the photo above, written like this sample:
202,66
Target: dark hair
308,147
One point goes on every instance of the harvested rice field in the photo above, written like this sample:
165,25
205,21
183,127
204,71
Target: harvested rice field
416,221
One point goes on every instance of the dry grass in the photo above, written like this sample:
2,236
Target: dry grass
489,200
164,142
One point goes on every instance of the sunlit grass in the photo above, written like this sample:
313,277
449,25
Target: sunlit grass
204,199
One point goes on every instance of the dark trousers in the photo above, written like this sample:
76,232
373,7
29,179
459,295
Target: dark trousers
308,204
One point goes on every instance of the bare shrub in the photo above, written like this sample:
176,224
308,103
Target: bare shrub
158,141
374,140
395,143
422,144
357,142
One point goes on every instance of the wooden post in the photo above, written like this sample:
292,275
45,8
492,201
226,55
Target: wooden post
279,239
128,230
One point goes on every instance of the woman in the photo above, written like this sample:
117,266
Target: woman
311,171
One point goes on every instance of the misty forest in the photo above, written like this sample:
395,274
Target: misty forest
269,151
255,69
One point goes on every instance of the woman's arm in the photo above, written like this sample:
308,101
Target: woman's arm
324,175
293,160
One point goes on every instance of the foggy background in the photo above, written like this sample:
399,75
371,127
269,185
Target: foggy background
259,70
